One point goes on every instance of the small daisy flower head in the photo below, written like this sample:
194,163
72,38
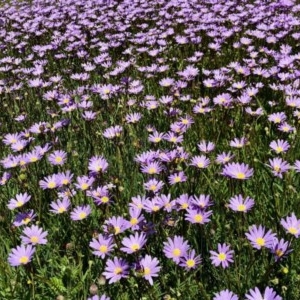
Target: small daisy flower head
206,146
102,245
291,224
225,295
224,157
177,177
115,225
116,269
153,185
81,212
190,261
19,201
57,158
268,294
176,248
24,218
152,168
49,182
280,249
98,164
240,204
224,256
84,182
133,243
277,118
21,255
259,237
34,235
200,162
196,216
238,143
149,268
278,166
237,171
60,206
280,146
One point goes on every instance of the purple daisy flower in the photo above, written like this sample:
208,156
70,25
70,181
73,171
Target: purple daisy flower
259,238
269,294
49,182
223,257
60,206
98,164
58,157
176,248
20,200
291,224
238,171
280,146
102,245
149,267
116,269
115,225
201,162
23,218
190,261
34,235
240,204
80,212
198,216
177,177
280,249
224,157
21,255
225,295
206,147
278,166
133,243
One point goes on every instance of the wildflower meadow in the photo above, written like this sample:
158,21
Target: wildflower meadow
150,149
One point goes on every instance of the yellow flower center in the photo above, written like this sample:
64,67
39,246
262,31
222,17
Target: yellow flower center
173,139
26,220
190,263
277,168
61,210
104,199
279,253
200,165
33,159
157,140
240,175
106,91
82,215
147,271
51,185
279,149
184,205
103,248
133,221
65,181
117,229
34,239
198,218
277,120
293,230
152,170
176,252
222,256
135,247
58,159
23,260
19,204
84,186
177,179
260,241
118,270
153,188
155,208
241,207
201,110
